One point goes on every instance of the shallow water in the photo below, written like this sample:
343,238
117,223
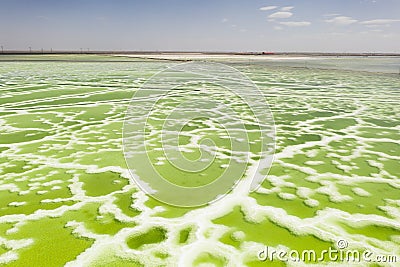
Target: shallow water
368,64
66,196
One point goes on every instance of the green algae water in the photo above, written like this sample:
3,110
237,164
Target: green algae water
67,197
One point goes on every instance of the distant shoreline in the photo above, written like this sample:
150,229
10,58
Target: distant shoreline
44,52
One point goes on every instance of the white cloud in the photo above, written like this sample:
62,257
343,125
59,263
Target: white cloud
295,23
379,21
280,15
265,8
341,20
331,15
224,20
373,26
287,8
337,34
278,28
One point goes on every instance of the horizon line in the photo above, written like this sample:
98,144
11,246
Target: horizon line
117,52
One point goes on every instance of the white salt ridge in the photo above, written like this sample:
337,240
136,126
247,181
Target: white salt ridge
314,163
287,196
56,187
311,203
304,192
360,192
238,235
16,204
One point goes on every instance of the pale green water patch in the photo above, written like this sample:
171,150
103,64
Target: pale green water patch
154,235
209,258
380,232
98,184
54,244
269,233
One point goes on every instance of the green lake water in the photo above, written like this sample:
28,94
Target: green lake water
67,198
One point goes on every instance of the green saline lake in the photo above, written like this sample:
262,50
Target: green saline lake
67,197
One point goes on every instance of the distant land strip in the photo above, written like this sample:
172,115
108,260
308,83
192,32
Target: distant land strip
108,52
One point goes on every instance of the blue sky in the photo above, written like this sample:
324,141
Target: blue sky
219,25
